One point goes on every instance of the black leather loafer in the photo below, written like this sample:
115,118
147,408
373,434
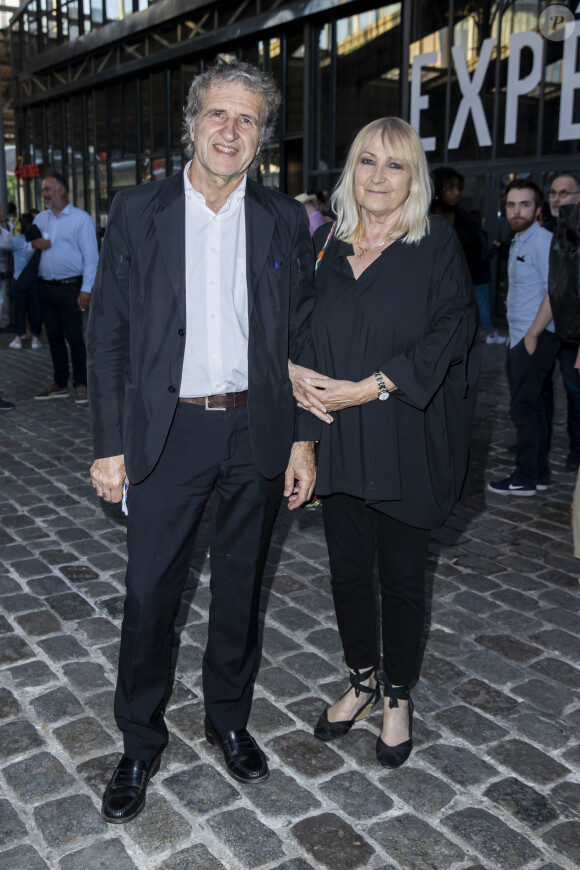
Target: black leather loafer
124,797
244,759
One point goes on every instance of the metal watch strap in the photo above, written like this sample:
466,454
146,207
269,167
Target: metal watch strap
383,392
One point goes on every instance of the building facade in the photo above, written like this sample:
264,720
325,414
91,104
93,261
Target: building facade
492,87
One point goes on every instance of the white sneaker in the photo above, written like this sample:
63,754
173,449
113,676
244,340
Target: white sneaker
36,343
495,338
16,343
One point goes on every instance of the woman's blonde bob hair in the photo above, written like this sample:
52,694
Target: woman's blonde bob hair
405,146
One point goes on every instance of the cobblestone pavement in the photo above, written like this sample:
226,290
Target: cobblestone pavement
492,783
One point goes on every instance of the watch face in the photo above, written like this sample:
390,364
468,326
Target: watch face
383,396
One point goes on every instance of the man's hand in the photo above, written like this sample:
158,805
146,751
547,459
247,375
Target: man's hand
108,476
530,343
41,244
84,300
300,474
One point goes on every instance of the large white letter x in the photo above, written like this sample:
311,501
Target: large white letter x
470,88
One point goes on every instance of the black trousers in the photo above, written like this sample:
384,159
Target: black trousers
355,534
27,302
206,453
526,375
63,322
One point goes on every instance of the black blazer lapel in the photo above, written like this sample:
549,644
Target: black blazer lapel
170,226
259,231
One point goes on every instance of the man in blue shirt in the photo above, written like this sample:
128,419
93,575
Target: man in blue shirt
65,279
532,344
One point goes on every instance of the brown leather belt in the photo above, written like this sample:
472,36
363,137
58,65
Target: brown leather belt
221,402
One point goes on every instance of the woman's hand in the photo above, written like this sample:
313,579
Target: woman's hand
309,401
333,395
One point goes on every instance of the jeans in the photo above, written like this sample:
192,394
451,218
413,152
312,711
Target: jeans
482,298
526,374
27,302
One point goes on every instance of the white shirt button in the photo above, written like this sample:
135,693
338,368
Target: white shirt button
214,353
212,316
213,250
212,283
217,386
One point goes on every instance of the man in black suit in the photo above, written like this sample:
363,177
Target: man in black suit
203,294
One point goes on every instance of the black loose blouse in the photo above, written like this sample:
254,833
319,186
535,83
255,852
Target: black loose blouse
412,315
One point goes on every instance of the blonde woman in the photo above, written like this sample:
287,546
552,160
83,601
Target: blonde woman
394,324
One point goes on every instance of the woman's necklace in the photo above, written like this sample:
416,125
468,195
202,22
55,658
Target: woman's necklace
364,251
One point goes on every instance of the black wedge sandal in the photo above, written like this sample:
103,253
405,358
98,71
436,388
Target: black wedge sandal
326,730
395,756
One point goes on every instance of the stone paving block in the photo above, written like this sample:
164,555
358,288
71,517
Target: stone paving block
178,753
20,602
517,623
333,843
83,736
327,641
423,792
48,585
14,649
540,727
302,753
294,620
448,644
39,776
316,602
572,755
492,668
308,709
8,586
525,803
481,605
104,855
281,795
201,789
90,547
113,606
193,858
86,676
298,864
563,619
557,640
356,796
9,705
57,704
523,582
555,669
12,828
108,561
475,693
96,589
280,683
440,671
35,673
360,746
23,857
415,844
111,652
513,648
98,629
158,825
38,623
265,718
310,667
566,796
5,627
491,838
458,764
536,691
57,556
29,568
528,762
180,694
469,725
189,719
246,837
97,772
63,647
66,820
70,605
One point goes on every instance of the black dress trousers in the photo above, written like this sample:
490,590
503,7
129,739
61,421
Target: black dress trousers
206,453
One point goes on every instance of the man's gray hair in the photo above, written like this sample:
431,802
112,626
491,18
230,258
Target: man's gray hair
566,174
219,75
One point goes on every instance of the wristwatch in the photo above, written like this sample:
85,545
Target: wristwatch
383,392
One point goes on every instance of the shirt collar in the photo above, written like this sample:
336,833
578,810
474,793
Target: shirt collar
193,194
523,237
66,210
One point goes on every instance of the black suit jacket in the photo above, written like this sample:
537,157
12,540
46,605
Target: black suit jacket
137,323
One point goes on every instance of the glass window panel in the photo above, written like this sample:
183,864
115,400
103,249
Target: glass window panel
145,116
130,118
429,36
269,170
294,102
123,174
115,121
97,11
176,108
159,168
100,124
158,108
367,71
